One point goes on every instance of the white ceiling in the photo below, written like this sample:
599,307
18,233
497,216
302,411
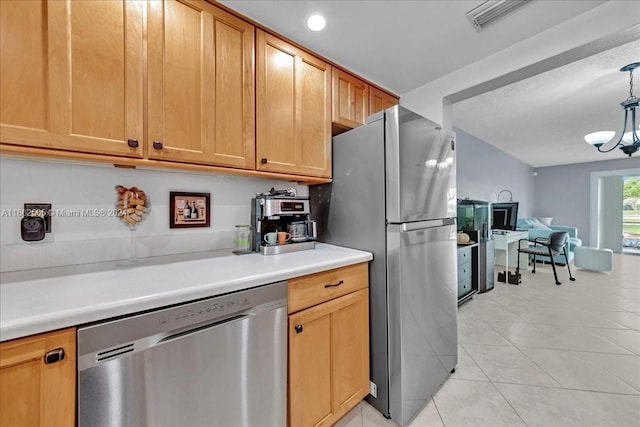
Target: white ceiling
401,45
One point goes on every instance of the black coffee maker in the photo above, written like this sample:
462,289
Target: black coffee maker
282,211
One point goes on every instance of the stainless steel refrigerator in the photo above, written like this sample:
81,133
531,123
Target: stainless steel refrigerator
394,194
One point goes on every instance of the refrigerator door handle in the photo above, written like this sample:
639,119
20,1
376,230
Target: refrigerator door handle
418,225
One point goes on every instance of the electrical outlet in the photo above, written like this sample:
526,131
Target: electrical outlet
32,228
42,210
373,389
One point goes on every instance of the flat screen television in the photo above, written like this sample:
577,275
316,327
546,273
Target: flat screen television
504,215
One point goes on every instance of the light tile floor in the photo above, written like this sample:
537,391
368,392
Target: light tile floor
538,354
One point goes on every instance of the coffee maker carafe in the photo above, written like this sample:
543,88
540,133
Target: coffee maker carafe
282,212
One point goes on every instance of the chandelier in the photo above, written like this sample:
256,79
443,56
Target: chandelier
629,142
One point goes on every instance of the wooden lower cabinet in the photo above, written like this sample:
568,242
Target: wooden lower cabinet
33,392
329,358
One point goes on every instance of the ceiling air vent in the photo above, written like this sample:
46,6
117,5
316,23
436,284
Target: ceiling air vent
489,10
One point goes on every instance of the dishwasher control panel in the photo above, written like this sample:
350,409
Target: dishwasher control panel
205,312
101,342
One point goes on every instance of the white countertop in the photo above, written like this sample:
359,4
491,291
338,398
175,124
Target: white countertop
43,300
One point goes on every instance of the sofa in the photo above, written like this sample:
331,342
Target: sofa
536,229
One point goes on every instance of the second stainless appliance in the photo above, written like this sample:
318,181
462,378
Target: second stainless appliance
205,363
394,194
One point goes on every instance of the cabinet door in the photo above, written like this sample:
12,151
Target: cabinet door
32,392
350,98
379,100
293,126
71,81
328,360
201,85
310,382
350,347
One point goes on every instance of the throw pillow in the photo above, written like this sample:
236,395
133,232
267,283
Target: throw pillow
540,226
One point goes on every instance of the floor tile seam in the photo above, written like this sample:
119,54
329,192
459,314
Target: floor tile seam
619,393
630,354
574,325
501,335
594,365
622,327
604,392
509,403
499,392
589,332
519,351
435,405
559,387
632,350
542,369
608,340
478,365
624,380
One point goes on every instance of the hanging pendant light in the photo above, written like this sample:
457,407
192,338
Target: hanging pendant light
629,142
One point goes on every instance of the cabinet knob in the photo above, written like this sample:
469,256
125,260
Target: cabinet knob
157,145
298,329
54,356
263,161
133,143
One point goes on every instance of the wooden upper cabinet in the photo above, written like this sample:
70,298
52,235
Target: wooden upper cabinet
71,81
201,85
293,110
350,99
33,392
380,100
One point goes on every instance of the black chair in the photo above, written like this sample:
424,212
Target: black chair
553,245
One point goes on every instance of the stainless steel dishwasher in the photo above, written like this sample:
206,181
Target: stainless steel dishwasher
220,361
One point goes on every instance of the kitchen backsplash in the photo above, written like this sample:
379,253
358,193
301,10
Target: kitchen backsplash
83,197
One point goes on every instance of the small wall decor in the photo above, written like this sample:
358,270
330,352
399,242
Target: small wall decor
189,209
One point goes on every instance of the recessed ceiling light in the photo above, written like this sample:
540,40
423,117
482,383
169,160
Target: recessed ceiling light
316,22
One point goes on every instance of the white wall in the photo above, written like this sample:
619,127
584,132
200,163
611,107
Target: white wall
563,192
483,170
72,187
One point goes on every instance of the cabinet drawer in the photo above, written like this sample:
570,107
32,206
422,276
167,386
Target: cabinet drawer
464,271
464,287
307,291
464,255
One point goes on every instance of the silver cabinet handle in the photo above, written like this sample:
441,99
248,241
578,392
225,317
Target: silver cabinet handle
54,356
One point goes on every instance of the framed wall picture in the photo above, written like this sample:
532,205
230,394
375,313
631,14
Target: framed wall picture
188,210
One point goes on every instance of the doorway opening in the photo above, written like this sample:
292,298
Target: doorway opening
608,221
631,215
